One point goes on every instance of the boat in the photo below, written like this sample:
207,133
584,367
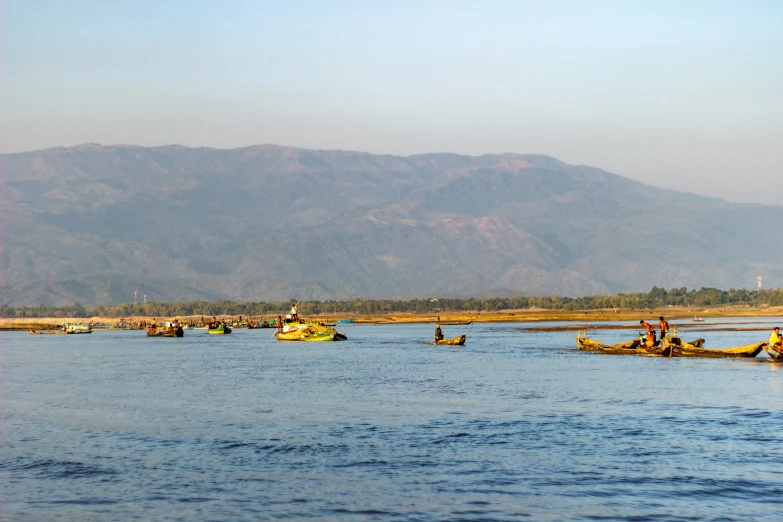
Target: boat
122,324
698,319
696,349
633,347
165,331
457,341
346,321
77,328
46,332
221,329
670,347
309,332
773,352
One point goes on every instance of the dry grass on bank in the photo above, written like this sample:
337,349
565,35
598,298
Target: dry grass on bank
671,313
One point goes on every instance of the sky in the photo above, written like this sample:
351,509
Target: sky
683,95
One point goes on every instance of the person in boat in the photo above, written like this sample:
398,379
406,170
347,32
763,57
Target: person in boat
438,333
279,324
776,339
649,339
663,324
294,314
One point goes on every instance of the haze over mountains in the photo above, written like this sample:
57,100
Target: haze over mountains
93,223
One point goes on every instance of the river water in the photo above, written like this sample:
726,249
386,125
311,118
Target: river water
118,426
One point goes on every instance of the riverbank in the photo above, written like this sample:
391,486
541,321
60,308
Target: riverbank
585,317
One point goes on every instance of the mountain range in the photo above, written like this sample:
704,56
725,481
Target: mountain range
93,223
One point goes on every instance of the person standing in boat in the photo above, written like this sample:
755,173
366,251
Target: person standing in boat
664,327
776,339
649,339
294,315
279,324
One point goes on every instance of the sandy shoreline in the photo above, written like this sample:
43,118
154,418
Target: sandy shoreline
446,317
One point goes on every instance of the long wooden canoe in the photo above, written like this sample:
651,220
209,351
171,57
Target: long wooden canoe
630,348
683,349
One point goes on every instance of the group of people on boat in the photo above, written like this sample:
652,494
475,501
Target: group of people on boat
649,338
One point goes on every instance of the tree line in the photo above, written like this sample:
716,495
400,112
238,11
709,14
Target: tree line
657,297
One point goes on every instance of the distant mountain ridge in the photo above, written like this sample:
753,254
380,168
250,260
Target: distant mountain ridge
92,223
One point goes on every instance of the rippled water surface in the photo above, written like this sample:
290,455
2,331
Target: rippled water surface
115,425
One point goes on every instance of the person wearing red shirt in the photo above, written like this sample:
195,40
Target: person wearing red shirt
650,337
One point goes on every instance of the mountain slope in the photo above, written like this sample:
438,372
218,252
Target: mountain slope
92,223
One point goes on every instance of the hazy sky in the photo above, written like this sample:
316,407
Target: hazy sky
682,94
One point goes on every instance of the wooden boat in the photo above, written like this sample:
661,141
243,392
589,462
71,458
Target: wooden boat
222,329
309,332
457,341
587,344
629,348
121,325
775,353
47,332
695,349
77,328
165,331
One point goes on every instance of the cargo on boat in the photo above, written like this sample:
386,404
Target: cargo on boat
311,332
165,331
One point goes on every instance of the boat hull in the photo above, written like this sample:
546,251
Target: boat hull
773,352
683,349
220,330
630,348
